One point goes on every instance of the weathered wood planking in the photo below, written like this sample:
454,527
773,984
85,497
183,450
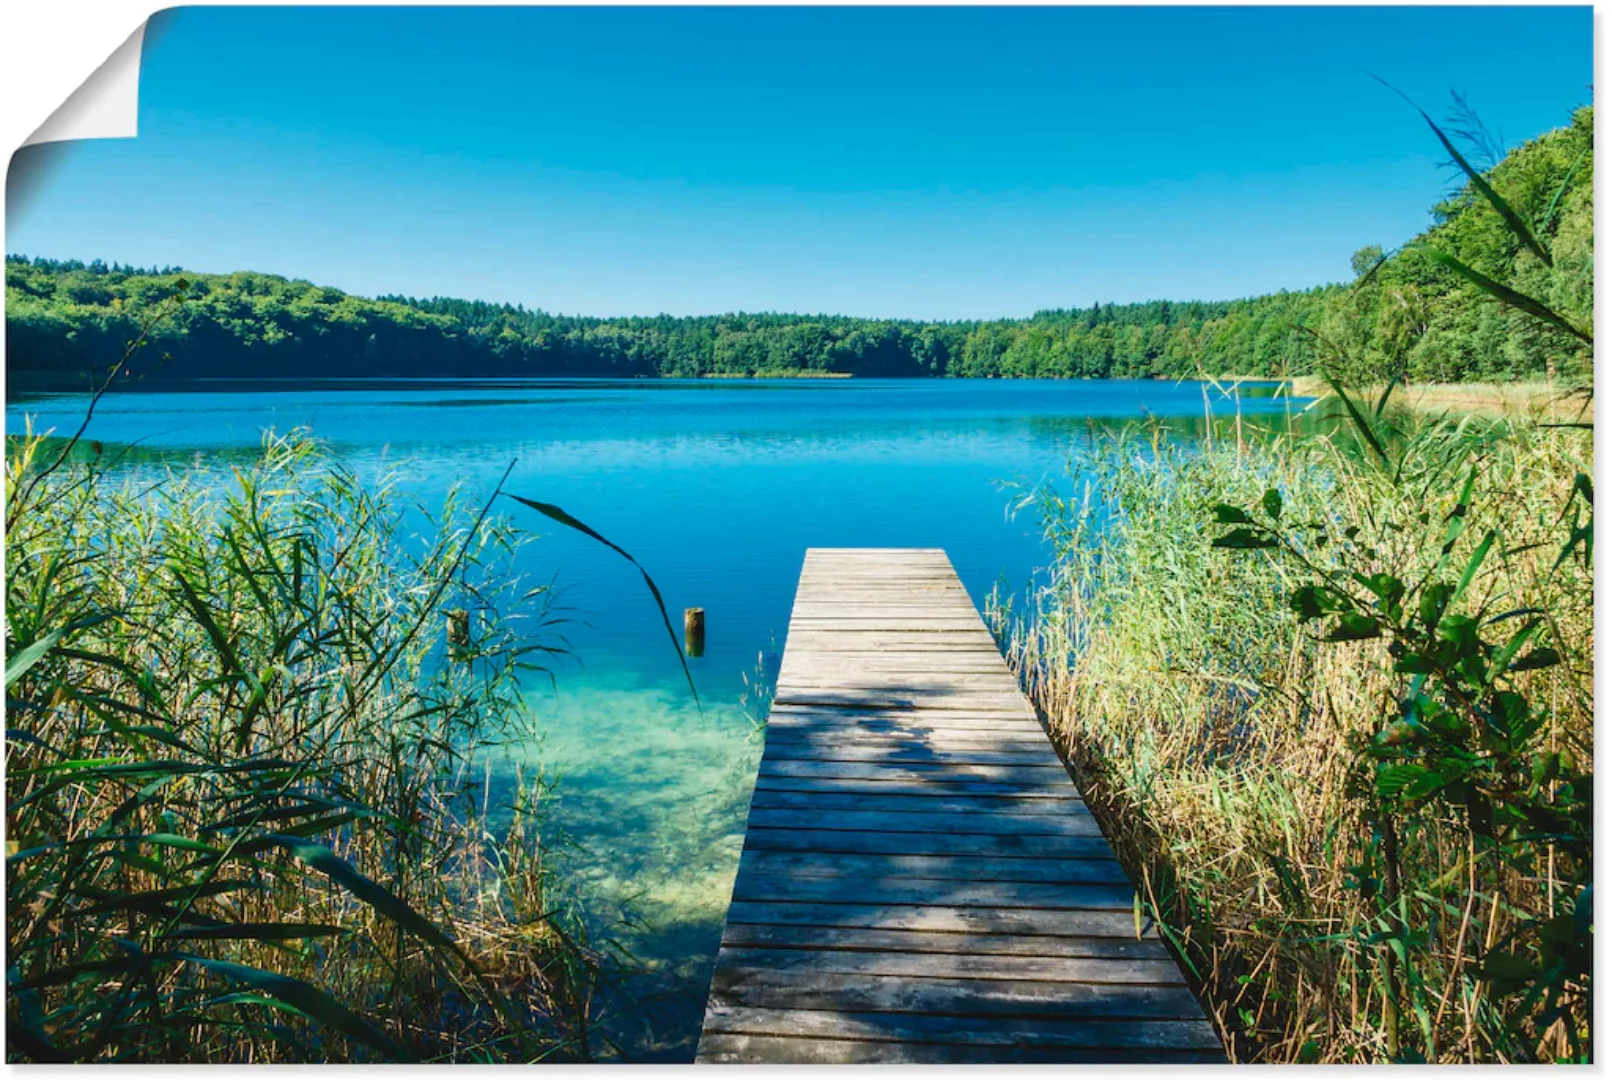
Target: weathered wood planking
921,881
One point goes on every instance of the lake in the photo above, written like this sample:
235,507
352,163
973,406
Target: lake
717,487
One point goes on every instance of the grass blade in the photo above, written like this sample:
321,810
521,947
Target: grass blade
307,1000
1357,417
370,892
549,510
1556,200
1513,220
17,666
1502,293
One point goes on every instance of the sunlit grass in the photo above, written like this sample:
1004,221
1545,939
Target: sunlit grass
1215,735
246,802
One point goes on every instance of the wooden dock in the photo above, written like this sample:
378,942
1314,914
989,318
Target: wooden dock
921,881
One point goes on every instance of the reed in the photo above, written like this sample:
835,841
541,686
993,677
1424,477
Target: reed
1238,759
249,810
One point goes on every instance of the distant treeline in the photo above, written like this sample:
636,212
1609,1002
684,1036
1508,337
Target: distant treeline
68,319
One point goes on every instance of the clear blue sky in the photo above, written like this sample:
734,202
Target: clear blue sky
928,163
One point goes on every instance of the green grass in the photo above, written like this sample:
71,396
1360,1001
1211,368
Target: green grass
248,817
1221,741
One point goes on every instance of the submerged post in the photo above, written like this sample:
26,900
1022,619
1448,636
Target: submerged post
694,631
458,633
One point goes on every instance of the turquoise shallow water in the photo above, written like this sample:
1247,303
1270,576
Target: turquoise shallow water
718,487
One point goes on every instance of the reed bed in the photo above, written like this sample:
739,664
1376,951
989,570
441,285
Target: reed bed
1239,761
249,811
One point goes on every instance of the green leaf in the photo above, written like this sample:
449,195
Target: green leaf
198,607
1556,200
67,974
1508,970
1471,571
1310,602
1354,626
1423,786
1542,657
1393,779
1460,630
1510,714
1435,598
1272,502
1386,587
1243,540
549,510
1356,417
370,892
1226,514
1502,659
17,666
158,901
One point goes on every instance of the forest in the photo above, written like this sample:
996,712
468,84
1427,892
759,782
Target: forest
1405,314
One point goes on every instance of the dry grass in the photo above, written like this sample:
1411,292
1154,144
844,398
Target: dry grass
1217,739
1517,401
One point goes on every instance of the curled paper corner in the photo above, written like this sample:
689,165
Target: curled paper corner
106,106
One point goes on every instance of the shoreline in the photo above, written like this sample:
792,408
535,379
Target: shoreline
1556,400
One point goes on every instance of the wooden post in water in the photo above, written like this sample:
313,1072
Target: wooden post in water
694,631
458,633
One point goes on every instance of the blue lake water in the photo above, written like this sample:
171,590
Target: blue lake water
718,488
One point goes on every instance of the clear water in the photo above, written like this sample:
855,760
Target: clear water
718,488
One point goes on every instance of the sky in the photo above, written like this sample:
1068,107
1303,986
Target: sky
937,163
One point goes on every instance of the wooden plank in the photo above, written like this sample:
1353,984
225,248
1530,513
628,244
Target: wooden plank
918,730
1079,969
916,772
920,754
789,739
866,939
971,1030
908,721
926,843
1100,869
936,670
863,640
769,989
918,803
1073,822
914,704
841,687
1006,736
940,919
1048,790
1056,896
920,879
719,1048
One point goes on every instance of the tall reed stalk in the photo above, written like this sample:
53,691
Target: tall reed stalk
247,807
1228,748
